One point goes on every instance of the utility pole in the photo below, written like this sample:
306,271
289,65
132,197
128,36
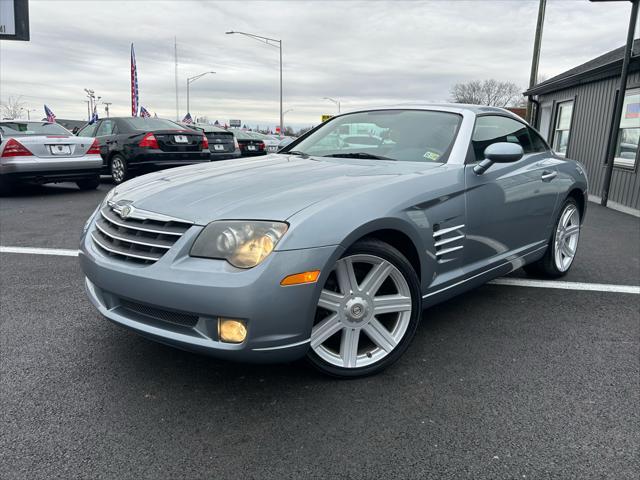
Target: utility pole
272,42
106,107
175,52
533,79
617,111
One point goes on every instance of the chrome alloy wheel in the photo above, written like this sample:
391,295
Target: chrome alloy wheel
363,312
566,237
117,169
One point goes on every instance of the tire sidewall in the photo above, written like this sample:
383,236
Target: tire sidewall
126,169
551,261
392,255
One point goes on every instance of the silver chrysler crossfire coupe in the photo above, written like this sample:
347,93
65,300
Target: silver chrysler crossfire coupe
331,248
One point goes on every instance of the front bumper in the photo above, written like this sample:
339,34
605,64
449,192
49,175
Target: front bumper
183,289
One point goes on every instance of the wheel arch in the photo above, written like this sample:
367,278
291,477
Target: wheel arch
396,233
581,199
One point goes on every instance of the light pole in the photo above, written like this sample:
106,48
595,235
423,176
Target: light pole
190,80
106,107
337,102
271,42
617,109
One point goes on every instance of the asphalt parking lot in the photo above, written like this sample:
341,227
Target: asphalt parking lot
503,382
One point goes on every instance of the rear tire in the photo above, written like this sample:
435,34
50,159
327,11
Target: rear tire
563,244
368,312
7,186
118,169
89,183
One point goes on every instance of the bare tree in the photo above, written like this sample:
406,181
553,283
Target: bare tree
486,92
12,108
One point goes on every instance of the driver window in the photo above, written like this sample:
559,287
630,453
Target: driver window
105,128
493,129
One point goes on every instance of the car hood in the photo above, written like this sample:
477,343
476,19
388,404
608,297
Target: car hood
273,187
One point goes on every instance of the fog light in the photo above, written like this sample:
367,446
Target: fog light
298,278
231,330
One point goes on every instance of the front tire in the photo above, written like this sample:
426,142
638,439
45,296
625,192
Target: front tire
118,169
563,244
367,313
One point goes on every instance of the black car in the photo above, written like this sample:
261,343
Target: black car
249,145
222,143
135,145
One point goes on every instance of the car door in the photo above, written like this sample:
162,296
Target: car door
105,136
509,206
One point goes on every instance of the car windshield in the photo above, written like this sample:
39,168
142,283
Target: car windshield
32,128
405,135
152,124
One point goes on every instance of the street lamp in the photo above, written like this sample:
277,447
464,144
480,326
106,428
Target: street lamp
271,42
337,102
190,80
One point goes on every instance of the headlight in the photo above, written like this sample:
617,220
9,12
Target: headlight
244,244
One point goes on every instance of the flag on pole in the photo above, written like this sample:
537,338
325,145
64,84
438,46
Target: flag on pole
187,119
144,113
50,116
155,115
134,84
94,115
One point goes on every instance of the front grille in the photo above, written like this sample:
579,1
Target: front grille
177,318
138,240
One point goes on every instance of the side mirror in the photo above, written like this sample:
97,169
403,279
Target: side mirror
501,152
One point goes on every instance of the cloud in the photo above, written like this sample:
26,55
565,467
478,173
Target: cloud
372,52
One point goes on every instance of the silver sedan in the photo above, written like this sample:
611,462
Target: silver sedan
44,152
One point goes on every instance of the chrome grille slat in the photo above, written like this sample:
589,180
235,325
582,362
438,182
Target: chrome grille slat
142,238
122,251
110,216
124,237
448,242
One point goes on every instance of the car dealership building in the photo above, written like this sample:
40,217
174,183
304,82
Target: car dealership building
575,115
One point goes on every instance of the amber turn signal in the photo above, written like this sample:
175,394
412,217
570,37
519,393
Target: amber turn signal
298,278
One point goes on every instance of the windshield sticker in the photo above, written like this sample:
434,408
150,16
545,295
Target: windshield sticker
433,156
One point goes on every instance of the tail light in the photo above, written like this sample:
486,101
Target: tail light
236,145
261,146
205,142
149,141
94,149
14,148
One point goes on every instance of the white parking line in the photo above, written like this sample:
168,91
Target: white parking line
593,287
61,252
507,281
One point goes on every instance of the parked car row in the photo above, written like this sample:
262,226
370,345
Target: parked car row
122,147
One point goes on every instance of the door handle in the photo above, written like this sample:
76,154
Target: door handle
547,176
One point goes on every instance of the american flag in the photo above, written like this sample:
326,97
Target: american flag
187,118
50,116
94,116
134,84
144,113
633,110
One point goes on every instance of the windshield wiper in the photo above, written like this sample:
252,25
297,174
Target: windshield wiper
363,155
296,152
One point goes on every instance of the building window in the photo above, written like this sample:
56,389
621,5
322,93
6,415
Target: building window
562,127
629,134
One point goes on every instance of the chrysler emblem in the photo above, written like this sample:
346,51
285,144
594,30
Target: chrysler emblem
125,212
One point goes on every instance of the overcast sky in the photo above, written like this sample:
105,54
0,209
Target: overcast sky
361,52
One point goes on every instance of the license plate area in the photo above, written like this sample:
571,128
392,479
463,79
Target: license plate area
181,139
60,149
218,147
251,147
